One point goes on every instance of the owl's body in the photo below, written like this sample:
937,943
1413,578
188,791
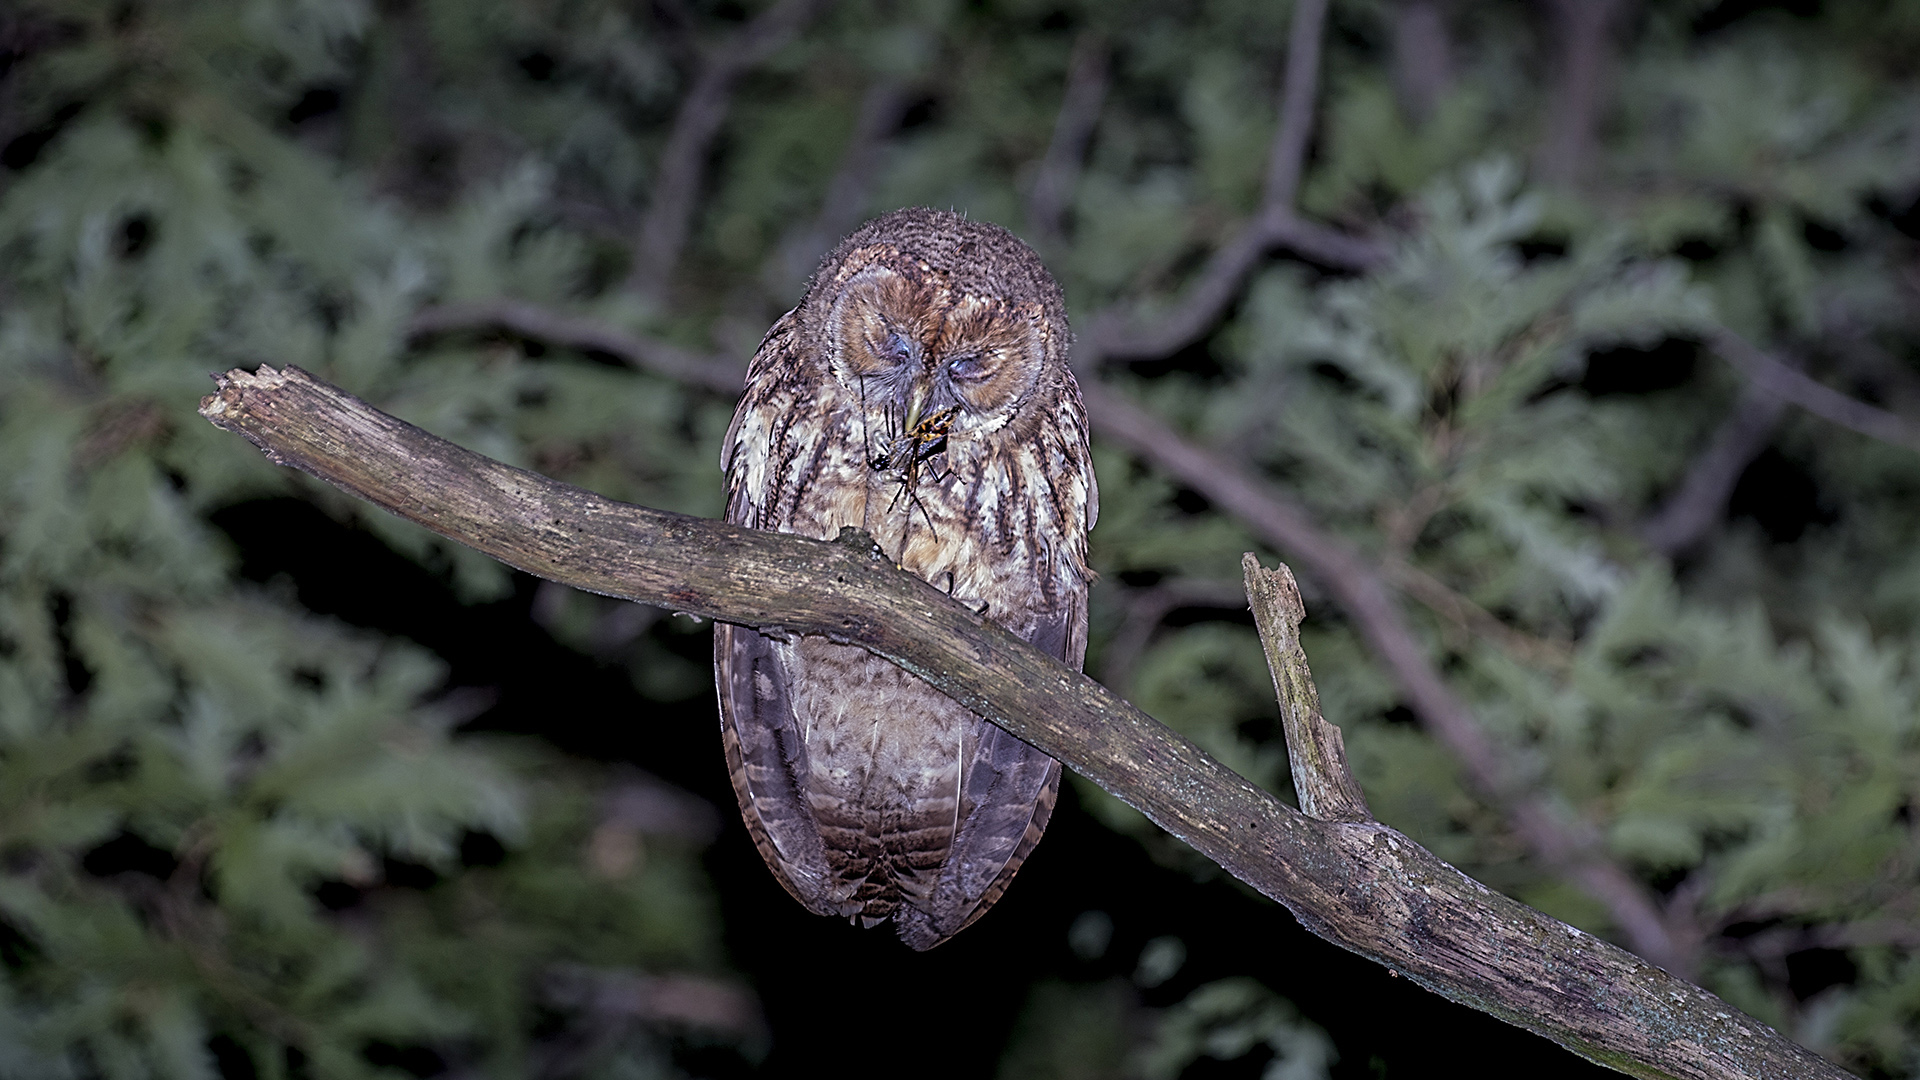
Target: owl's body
920,392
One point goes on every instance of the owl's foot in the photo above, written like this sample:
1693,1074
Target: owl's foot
978,607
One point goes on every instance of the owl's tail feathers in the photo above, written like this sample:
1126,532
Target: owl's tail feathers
976,877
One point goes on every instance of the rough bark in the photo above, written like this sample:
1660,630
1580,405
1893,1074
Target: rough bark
1316,753
1359,884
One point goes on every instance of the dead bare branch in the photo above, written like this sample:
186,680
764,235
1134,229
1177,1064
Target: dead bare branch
1316,753
1359,884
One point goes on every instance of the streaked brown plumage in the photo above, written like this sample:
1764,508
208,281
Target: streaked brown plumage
920,391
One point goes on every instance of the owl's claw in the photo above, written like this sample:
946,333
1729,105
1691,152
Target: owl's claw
859,540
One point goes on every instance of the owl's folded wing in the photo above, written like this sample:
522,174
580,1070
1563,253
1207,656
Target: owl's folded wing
1010,791
767,762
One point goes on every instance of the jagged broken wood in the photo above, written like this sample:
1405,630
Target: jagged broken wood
1317,754
1358,884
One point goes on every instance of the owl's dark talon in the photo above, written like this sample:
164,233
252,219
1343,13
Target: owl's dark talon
858,539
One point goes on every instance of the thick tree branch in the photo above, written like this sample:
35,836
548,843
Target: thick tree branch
1562,842
683,161
1362,594
1361,885
1823,401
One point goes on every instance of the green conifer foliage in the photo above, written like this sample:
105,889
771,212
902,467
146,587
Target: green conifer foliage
1495,413
194,772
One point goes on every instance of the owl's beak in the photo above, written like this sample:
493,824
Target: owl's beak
916,403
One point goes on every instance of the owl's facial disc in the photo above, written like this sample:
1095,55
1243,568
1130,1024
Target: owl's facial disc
917,351
986,359
874,331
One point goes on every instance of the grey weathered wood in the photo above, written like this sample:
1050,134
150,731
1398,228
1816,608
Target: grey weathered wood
1316,753
1359,884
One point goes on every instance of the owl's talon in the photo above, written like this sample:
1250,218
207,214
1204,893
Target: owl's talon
858,539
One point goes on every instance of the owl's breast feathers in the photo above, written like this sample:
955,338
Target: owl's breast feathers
998,516
870,794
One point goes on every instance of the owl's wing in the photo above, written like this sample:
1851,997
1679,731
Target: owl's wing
1010,791
767,762
774,431
766,751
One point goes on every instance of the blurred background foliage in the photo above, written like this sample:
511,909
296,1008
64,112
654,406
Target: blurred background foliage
251,825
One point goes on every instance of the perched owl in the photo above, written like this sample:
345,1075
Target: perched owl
920,392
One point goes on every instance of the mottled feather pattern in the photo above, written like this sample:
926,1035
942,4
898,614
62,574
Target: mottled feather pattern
920,392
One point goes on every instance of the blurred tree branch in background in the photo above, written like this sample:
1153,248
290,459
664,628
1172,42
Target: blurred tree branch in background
702,113
1584,31
1059,171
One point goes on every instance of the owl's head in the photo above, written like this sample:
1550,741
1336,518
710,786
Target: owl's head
926,314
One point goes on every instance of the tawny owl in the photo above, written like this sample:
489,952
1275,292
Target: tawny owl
920,391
